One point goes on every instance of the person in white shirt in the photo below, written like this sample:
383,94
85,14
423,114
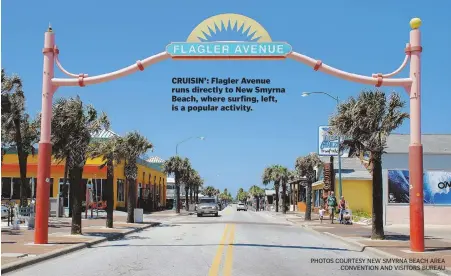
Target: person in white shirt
321,214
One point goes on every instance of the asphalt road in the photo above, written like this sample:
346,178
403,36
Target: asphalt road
236,243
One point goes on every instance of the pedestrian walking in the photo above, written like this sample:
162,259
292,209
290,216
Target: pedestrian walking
321,214
332,203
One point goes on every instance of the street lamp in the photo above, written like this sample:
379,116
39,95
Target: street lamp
305,94
176,201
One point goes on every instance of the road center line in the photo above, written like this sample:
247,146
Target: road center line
229,253
214,269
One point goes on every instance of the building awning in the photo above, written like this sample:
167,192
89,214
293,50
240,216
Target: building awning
155,159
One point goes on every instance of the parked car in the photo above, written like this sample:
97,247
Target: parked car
207,206
4,212
241,206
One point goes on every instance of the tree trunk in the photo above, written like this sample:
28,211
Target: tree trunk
258,204
22,161
191,194
308,211
284,198
276,187
186,197
23,177
378,223
196,194
109,194
75,176
177,198
66,174
131,196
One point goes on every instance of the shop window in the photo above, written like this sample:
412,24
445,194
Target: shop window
16,189
317,193
103,189
99,188
6,187
120,190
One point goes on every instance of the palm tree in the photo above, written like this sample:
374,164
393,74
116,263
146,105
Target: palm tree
189,179
210,191
110,152
276,174
241,195
238,194
306,167
284,175
178,167
132,146
197,186
368,120
72,125
257,193
18,129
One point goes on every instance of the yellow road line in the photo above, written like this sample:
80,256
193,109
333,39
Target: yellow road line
214,269
229,253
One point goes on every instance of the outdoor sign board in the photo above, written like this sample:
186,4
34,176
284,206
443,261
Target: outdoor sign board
436,187
328,144
230,36
228,49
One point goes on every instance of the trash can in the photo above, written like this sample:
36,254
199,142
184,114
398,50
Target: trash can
138,214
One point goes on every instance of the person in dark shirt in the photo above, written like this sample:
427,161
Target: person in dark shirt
332,204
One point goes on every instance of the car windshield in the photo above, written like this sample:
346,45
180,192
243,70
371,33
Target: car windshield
207,200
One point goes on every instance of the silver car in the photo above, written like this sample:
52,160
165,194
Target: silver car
207,206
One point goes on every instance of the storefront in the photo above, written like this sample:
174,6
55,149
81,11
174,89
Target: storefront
151,182
357,185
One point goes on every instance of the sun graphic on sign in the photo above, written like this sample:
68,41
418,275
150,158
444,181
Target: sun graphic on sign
229,27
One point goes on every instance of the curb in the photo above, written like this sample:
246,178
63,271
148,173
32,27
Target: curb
185,214
375,251
40,258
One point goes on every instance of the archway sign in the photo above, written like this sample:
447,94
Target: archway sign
256,45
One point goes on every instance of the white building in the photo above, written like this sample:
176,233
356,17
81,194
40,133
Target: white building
170,189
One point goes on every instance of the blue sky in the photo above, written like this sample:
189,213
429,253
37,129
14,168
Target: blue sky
356,36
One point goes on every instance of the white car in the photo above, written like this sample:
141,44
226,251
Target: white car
241,206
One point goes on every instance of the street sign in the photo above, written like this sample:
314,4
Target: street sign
328,144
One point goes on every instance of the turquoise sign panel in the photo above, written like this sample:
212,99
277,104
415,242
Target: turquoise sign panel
212,49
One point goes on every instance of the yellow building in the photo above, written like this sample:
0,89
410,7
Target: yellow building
150,185
357,185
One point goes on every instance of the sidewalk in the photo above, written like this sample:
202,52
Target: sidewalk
19,250
395,245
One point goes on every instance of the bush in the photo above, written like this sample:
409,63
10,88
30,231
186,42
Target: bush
361,214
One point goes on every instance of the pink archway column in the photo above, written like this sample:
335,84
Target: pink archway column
411,84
